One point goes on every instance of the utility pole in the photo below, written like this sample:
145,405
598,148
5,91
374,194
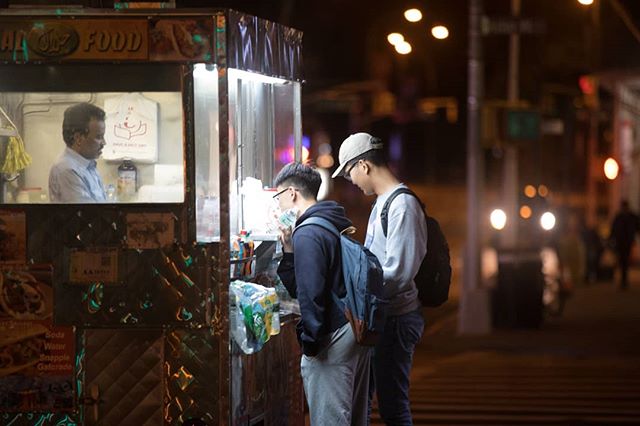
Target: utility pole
510,169
474,302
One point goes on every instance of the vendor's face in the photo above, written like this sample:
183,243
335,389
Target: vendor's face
90,144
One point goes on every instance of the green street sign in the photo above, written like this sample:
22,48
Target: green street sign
521,125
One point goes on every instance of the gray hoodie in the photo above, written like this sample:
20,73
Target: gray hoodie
402,251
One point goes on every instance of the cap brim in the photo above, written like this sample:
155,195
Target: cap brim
339,170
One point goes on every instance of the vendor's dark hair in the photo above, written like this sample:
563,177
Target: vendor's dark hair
77,118
302,177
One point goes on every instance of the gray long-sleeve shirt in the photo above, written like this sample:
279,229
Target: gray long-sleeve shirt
402,251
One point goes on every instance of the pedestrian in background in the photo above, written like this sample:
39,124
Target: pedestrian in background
335,369
594,249
572,255
622,237
400,253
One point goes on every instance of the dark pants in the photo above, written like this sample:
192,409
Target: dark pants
623,261
392,360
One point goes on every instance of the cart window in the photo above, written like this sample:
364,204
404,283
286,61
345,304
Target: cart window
109,144
264,135
205,89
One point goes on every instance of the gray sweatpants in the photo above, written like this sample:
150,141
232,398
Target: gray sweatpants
336,381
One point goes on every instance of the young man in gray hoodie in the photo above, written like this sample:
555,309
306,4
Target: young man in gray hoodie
401,253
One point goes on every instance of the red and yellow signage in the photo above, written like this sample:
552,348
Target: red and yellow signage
106,40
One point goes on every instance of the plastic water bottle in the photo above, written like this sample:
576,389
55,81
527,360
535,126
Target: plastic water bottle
288,217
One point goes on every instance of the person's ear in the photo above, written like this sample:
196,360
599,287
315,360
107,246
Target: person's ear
366,167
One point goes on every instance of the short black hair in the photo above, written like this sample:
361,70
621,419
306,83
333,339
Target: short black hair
77,118
374,156
302,177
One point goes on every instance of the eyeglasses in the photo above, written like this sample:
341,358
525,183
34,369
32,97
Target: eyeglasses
277,195
347,172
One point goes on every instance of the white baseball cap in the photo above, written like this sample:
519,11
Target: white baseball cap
353,147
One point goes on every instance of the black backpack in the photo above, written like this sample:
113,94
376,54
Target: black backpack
434,276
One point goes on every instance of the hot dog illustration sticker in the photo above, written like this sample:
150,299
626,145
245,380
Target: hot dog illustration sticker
13,239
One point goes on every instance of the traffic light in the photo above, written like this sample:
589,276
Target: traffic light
589,88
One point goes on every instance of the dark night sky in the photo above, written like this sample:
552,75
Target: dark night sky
339,36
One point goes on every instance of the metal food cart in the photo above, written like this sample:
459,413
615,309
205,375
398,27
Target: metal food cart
118,313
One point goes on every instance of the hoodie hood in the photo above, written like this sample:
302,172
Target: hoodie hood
329,210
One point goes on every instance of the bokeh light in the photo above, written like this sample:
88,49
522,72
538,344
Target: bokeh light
525,212
611,168
543,190
412,15
440,32
395,38
547,221
403,48
586,2
530,191
498,219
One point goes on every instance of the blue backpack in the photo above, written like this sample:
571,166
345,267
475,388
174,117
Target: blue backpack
364,304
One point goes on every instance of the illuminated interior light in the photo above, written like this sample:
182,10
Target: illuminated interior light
252,76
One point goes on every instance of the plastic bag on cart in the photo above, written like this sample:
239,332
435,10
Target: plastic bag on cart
256,315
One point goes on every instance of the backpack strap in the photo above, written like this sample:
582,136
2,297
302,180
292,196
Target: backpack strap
323,223
320,221
384,214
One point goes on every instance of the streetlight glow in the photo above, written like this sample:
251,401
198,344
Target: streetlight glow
403,48
530,191
395,38
585,2
548,221
412,15
611,168
440,32
498,219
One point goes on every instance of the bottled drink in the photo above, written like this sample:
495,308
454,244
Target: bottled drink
127,180
288,217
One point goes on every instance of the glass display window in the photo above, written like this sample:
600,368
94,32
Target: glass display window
91,134
264,135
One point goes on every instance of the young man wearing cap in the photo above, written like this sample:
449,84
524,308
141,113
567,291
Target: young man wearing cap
334,368
401,252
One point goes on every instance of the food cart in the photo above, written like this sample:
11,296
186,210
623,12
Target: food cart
118,313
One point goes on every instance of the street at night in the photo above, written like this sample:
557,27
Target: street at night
325,213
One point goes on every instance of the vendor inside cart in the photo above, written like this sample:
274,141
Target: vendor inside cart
74,177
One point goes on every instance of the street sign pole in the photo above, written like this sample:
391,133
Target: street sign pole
473,315
510,167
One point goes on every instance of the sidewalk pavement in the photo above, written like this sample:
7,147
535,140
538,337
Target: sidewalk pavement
578,369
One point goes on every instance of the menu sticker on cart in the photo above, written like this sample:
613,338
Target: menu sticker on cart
36,357
13,237
93,265
150,230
